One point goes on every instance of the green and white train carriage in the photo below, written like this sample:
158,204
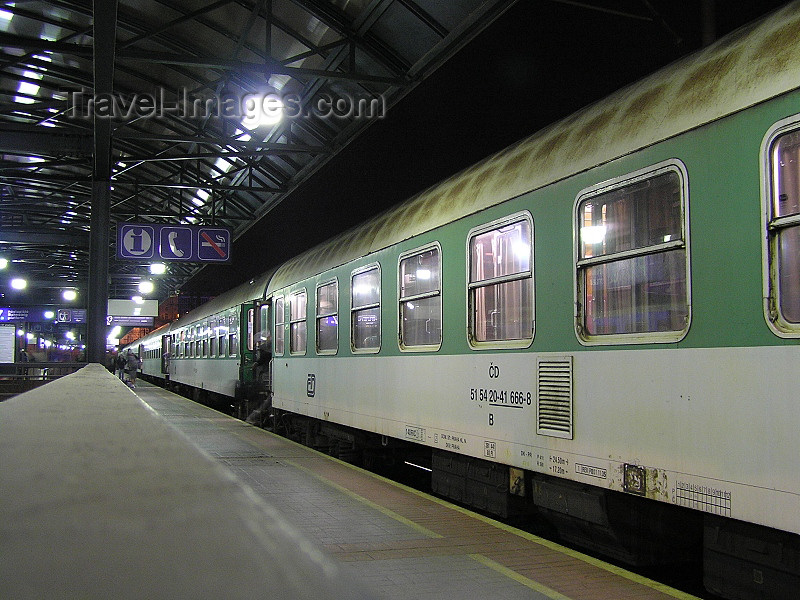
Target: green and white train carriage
613,301
210,350
608,309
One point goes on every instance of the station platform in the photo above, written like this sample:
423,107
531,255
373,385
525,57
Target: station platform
107,491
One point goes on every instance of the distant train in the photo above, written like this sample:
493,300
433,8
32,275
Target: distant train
597,326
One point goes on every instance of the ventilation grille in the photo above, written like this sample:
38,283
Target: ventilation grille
554,397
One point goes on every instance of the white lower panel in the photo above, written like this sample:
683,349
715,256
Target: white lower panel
218,375
715,428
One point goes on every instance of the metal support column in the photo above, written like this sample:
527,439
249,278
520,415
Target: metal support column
97,300
105,29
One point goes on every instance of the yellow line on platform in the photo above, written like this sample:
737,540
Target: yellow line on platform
600,564
529,583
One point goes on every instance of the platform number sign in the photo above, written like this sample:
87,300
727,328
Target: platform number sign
185,243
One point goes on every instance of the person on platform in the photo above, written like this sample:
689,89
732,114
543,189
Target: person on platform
119,364
132,364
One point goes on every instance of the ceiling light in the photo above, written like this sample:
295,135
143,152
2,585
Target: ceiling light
158,268
268,111
18,283
3,263
69,295
146,287
49,314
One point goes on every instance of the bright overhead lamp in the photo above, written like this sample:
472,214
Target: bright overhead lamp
18,283
137,299
49,314
264,111
69,295
3,263
146,287
158,268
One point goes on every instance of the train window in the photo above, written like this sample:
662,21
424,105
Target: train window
251,326
298,331
365,311
262,324
420,299
328,317
632,259
233,335
781,199
500,290
233,342
280,331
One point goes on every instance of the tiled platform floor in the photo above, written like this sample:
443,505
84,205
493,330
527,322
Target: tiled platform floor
401,543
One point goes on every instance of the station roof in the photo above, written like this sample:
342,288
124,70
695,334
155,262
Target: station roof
154,96
163,99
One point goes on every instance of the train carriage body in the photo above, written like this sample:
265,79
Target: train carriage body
691,404
613,302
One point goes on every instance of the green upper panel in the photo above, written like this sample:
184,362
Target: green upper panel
753,64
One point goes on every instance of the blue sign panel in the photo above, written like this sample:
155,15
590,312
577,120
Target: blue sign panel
188,243
130,321
42,314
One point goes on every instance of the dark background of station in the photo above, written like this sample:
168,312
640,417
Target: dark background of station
539,62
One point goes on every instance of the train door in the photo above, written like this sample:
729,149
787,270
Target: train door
166,354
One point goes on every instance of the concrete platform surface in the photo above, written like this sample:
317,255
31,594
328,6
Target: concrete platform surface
101,498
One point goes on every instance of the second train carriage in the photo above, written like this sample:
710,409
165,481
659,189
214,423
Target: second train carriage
607,311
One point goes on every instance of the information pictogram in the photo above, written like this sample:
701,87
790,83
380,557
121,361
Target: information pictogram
135,241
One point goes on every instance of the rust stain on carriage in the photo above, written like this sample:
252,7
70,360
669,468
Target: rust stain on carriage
641,109
703,83
590,134
778,49
551,146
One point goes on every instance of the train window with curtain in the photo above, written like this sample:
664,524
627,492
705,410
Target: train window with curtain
280,331
251,329
328,317
212,332
420,299
782,209
262,322
632,258
365,312
233,335
500,289
222,334
298,329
